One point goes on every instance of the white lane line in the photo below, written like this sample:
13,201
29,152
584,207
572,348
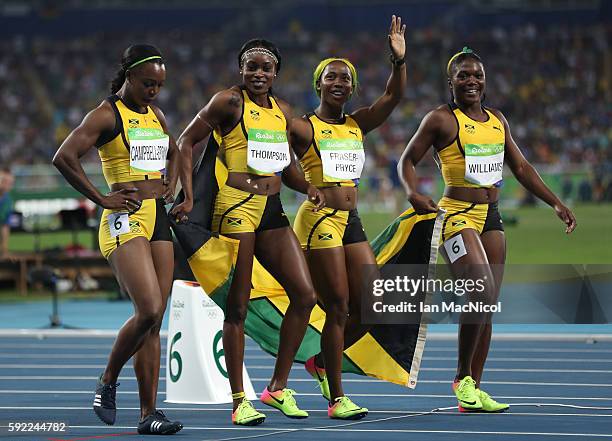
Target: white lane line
537,360
271,367
463,432
387,412
55,346
349,429
269,357
301,380
60,356
494,349
410,396
433,336
57,366
531,370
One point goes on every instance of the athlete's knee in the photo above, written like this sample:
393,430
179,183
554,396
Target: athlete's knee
150,316
489,292
338,309
157,327
305,301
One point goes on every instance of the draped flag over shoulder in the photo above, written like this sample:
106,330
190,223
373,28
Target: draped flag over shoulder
389,352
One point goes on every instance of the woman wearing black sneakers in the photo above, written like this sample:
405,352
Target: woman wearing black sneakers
139,162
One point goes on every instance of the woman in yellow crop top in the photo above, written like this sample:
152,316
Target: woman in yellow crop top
329,144
139,161
471,143
249,126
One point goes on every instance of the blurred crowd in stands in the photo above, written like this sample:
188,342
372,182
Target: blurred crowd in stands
553,84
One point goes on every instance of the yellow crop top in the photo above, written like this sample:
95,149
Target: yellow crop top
347,136
476,136
114,147
254,120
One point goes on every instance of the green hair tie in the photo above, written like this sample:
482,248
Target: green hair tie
154,57
465,50
316,75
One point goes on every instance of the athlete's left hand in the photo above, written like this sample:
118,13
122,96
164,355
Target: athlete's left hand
168,194
566,215
396,37
316,196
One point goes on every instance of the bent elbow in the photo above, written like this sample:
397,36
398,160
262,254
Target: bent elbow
58,160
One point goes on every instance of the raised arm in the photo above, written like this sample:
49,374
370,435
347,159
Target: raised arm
80,140
222,106
371,117
426,136
173,160
529,178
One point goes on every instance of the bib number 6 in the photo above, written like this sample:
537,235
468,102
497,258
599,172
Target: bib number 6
118,223
455,248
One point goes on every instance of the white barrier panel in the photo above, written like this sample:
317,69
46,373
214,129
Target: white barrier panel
195,361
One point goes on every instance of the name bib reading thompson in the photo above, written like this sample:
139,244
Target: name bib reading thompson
342,159
267,151
484,163
148,150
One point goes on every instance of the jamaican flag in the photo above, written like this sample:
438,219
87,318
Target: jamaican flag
211,258
389,352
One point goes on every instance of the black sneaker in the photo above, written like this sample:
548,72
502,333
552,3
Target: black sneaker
157,424
104,401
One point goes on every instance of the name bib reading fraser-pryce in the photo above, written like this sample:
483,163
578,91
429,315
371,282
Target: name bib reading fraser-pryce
267,151
148,150
484,163
342,159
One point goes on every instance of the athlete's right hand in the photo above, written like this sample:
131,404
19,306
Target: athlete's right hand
122,200
423,204
316,196
181,211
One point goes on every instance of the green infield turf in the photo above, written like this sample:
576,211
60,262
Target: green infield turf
534,235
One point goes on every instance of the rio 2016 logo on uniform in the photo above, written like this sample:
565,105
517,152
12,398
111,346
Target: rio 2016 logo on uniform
135,227
218,352
174,355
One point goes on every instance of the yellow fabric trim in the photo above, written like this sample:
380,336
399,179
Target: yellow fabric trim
212,263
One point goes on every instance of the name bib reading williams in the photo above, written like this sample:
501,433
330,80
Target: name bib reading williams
342,159
484,163
267,151
148,150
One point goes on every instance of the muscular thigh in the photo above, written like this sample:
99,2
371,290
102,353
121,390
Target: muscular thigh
279,251
329,275
361,268
466,255
163,260
134,268
494,243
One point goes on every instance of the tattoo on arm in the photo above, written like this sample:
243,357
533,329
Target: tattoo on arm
234,100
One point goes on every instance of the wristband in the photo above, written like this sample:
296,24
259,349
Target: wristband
397,62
